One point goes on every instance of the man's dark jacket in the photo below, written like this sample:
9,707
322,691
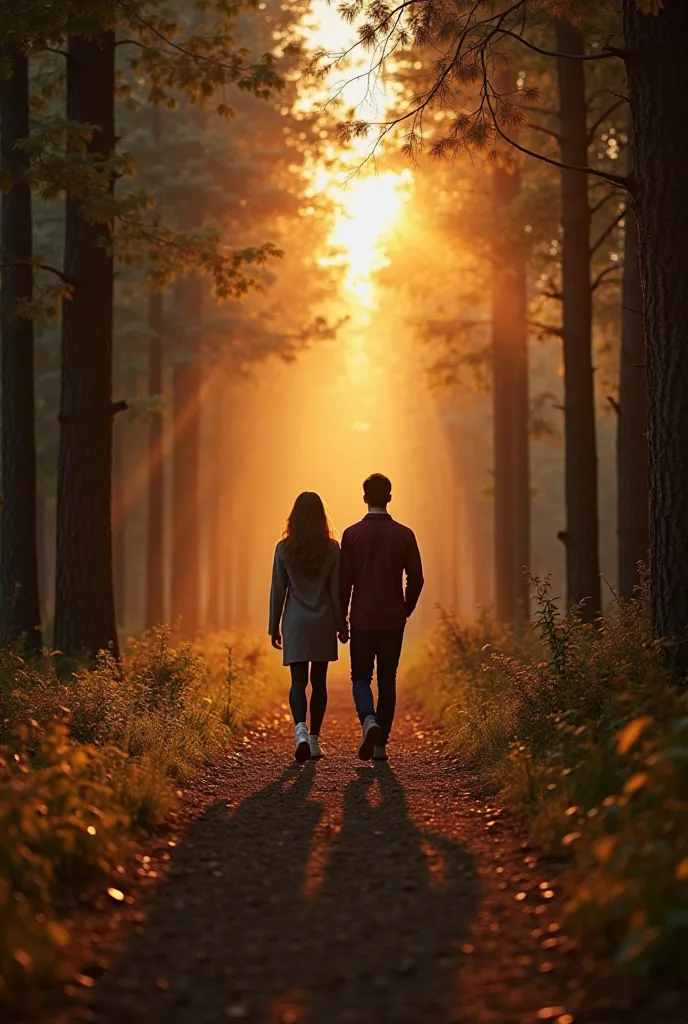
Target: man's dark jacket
376,553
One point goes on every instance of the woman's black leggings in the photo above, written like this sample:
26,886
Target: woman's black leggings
297,694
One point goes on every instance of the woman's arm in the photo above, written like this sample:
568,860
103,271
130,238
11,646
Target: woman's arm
335,599
278,593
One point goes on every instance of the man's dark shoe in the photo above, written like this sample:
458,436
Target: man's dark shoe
372,736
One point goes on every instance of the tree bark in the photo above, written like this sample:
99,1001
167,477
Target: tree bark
633,512
42,560
155,564
20,615
582,527
510,393
186,398
658,89
119,520
84,608
214,491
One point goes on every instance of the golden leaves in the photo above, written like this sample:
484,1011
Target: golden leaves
636,782
631,733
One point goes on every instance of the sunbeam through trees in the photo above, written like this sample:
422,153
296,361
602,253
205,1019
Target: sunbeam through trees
416,266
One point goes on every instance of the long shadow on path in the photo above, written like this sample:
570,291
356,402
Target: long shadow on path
264,918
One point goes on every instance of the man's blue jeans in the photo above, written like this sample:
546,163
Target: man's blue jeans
369,646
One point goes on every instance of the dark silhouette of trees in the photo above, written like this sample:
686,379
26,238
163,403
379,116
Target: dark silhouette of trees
633,501
19,600
84,600
582,529
657,70
155,540
510,391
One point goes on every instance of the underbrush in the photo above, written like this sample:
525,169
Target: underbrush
587,738
89,761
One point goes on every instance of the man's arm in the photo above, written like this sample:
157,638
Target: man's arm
346,575
414,575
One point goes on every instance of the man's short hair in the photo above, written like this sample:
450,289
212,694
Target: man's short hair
377,490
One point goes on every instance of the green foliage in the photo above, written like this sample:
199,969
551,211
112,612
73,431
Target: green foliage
58,823
88,761
588,740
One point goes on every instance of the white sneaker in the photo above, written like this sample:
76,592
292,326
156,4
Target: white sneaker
371,738
316,750
303,747
379,753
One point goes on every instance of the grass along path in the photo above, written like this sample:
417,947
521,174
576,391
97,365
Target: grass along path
334,893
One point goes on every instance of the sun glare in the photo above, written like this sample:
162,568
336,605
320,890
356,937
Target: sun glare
366,210
366,204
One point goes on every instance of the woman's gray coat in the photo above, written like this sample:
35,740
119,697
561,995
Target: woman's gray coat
309,609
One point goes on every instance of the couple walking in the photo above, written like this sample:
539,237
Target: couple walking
315,584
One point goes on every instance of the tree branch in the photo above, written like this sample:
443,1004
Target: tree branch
609,51
603,92
198,58
545,131
601,202
602,118
613,179
36,266
604,274
546,328
607,231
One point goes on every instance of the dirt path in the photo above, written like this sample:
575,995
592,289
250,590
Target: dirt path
339,893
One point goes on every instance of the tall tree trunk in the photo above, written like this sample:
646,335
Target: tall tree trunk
633,511
510,393
42,561
214,492
186,399
582,527
20,614
155,552
84,604
658,89
119,519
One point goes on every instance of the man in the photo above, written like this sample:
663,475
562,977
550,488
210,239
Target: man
376,553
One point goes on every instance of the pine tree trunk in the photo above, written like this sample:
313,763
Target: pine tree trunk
41,552
186,399
214,492
19,599
633,498
658,90
510,394
155,567
582,528
84,603
119,519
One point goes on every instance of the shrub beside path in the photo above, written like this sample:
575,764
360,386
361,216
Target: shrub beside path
334,893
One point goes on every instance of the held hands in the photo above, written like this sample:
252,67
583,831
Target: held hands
276,641
343,635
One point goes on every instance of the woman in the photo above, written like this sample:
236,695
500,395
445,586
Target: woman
305,613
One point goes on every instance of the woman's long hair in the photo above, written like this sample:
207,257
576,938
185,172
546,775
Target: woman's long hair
308,535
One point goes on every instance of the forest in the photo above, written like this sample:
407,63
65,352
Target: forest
251,248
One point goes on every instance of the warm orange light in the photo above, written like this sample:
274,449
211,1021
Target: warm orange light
367,208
